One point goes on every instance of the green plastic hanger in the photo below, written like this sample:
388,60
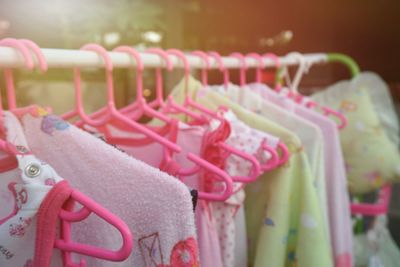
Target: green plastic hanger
350,63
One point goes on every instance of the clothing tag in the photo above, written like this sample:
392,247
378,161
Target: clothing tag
102,137
195,194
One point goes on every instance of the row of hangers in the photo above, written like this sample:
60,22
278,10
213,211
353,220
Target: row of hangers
160,109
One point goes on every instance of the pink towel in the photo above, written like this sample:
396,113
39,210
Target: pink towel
156,206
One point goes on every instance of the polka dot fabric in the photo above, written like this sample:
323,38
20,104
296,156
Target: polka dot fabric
248,140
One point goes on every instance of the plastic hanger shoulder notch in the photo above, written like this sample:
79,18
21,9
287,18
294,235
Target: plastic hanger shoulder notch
112,112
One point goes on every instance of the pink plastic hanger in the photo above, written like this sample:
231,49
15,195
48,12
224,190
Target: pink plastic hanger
65,244
8,75
89,206
260,67
114,114
380,208
199,165
159,101
282,148
284,152
256,169
171,105
140,107
221,67
111,112
243,68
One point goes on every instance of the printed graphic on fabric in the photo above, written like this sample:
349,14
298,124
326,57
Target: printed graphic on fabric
150,248
6,253
19,229
184,254
52,123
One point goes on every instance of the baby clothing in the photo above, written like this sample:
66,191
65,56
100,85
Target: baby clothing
32,196
247,140
335,175
156,207
283,217
309,134
191,139
372,159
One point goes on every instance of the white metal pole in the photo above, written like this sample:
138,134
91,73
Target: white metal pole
63,58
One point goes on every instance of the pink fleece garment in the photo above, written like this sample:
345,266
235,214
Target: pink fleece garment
190,139
157,207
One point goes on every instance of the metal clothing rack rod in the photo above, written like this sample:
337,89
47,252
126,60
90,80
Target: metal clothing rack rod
64,58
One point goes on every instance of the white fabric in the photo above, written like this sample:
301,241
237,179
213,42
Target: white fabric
240,239
26,194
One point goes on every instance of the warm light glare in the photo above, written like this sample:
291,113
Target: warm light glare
151,36
112,38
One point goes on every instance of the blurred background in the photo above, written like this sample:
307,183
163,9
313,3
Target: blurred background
366,30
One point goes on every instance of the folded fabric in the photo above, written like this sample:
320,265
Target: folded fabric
371,158
157,207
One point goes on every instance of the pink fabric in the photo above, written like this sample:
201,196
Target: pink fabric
247,140
191,139
338,199
157,207
344,260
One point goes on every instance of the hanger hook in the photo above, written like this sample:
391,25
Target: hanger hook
278,65
260,67
140,68
159,79
302,69
207,65
109,80
179,54
8,75
243,67
221,66
38,53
